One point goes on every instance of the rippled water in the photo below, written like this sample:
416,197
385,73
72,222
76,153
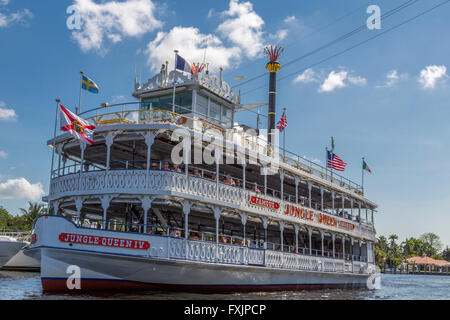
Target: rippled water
25,285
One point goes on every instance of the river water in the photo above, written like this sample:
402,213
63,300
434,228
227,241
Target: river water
25,285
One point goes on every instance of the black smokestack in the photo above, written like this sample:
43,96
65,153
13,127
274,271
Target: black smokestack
273,67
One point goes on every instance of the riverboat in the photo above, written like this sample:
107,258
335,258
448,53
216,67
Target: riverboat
137,211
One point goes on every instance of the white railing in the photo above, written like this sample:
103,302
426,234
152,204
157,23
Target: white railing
163,182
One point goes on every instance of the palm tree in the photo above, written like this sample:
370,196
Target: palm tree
393,237
34,211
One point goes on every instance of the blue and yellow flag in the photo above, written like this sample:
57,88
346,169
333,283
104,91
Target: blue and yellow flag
89,85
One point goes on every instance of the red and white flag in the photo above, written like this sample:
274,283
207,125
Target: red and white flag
79,128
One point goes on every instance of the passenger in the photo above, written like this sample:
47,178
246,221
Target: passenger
197,173
255,188
176,168
222,239
214,177
228,180
154,166
166,166
238,183
193,236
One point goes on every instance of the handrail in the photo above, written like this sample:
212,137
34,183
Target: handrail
195,235
159,165
287,156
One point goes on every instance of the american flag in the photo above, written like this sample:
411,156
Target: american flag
335,162
282,123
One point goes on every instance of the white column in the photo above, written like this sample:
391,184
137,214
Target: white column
310,241
343,247
217,213
296,228
297,181
244,217
79,206
59,147
146,203
309,193
109,140
83,148
351,243
333,237
56,204
332,201
265,180
322,235
186,210
281,235
321,198
282,183
106,200
265,222
244,166
372,218
351,206
149,140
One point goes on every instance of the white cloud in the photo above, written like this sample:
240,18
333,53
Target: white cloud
191,44
431,75
290,19
392,78
279,36
243,28
210,13
360,81
335,80
307,76
19,17
3,154
6,114
4,2
20,189
341,79
113,20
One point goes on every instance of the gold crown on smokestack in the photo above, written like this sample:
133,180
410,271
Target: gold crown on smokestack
274,54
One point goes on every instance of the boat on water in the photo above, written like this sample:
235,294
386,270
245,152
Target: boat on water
9,247
19,261
136,210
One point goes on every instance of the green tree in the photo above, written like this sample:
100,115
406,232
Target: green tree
446,254
6,220
432,240
34,211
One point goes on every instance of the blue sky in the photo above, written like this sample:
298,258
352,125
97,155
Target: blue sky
386,100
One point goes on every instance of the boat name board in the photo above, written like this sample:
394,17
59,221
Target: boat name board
264,203
104,241
319,217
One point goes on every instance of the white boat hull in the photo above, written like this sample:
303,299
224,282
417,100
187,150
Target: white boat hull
21,262
103,268
8,249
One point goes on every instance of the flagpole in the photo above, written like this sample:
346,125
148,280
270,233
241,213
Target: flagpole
363,175
326,163
53,155
81,90
174,83
332,157
284,137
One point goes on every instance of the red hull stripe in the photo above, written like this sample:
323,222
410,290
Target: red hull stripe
58,285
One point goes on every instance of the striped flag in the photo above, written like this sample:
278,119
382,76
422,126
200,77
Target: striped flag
282,123
335,162
366,167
